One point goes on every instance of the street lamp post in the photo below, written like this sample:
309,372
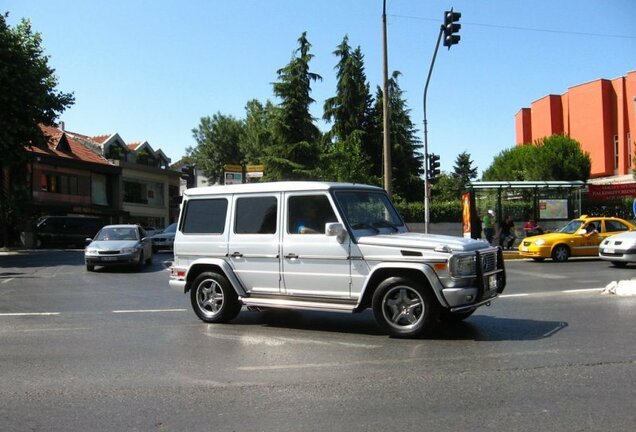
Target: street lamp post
385,109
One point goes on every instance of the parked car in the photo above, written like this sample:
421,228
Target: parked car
164,239
325,246
119,245
151,230
580,237
619,249
66,230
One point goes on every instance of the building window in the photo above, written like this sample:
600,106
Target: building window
135,192
59,183
615,154
629,150
138,192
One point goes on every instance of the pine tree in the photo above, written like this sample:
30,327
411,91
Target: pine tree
295,152
350,110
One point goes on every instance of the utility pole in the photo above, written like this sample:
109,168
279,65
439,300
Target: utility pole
385,109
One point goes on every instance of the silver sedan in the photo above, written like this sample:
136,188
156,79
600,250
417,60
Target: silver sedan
119,245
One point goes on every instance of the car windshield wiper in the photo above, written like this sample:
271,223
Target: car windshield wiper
383,223
364,225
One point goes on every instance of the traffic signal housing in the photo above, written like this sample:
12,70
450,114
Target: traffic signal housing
433,171
451,26
187,173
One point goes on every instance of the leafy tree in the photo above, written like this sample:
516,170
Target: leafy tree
217,140
345,161
446,188
28,97
557,157
295,152
406,159
258,132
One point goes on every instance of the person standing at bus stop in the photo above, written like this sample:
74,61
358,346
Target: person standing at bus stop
488,224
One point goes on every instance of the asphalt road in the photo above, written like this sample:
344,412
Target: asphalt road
119,350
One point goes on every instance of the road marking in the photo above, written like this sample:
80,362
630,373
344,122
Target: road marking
282,340
582,290
535,274
148,310
548,293
30,314
47,330
7,280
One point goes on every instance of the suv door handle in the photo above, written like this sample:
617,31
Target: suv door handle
237,255
291,256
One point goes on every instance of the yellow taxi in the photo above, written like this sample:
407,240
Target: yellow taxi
580,237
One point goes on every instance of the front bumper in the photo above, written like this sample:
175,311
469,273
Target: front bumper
534,251
490,281
106,260
614,254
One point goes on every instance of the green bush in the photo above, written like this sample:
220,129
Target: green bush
438,211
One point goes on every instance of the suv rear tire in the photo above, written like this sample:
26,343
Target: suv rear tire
213,298
404,308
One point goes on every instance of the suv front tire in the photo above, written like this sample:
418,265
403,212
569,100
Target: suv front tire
404,308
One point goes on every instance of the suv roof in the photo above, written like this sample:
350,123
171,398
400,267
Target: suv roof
285,186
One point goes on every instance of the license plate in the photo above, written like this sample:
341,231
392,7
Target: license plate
609,250
109,258
524,249
492,282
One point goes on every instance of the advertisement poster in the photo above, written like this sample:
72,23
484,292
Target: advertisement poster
466,212
553,209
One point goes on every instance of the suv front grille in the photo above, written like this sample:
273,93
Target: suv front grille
488,261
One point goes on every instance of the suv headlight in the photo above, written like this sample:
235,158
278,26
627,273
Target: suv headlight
463,266
90,251
130,250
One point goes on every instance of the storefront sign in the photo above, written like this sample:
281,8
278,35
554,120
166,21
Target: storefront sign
611,191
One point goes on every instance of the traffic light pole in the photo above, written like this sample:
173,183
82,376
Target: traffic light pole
427,191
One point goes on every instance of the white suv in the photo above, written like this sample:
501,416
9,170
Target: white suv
325,246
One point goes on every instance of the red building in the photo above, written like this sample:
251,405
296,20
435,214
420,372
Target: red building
600,114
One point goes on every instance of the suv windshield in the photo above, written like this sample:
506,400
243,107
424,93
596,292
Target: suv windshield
368,210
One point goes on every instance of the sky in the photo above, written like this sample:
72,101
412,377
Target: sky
151,69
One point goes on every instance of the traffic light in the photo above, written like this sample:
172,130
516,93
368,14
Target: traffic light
187,173
433,167
451,27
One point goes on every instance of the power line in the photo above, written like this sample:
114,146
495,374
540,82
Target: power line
531,29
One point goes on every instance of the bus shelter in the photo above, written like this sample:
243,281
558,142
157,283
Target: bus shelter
547,201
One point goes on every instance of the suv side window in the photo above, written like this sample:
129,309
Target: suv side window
256,215
308,214
204,216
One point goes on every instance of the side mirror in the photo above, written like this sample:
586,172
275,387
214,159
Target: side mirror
336,229
88,240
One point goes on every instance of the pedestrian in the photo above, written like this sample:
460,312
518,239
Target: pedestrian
531,228
488,225
507,235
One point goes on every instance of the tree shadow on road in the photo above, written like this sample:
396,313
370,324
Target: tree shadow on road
489,328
